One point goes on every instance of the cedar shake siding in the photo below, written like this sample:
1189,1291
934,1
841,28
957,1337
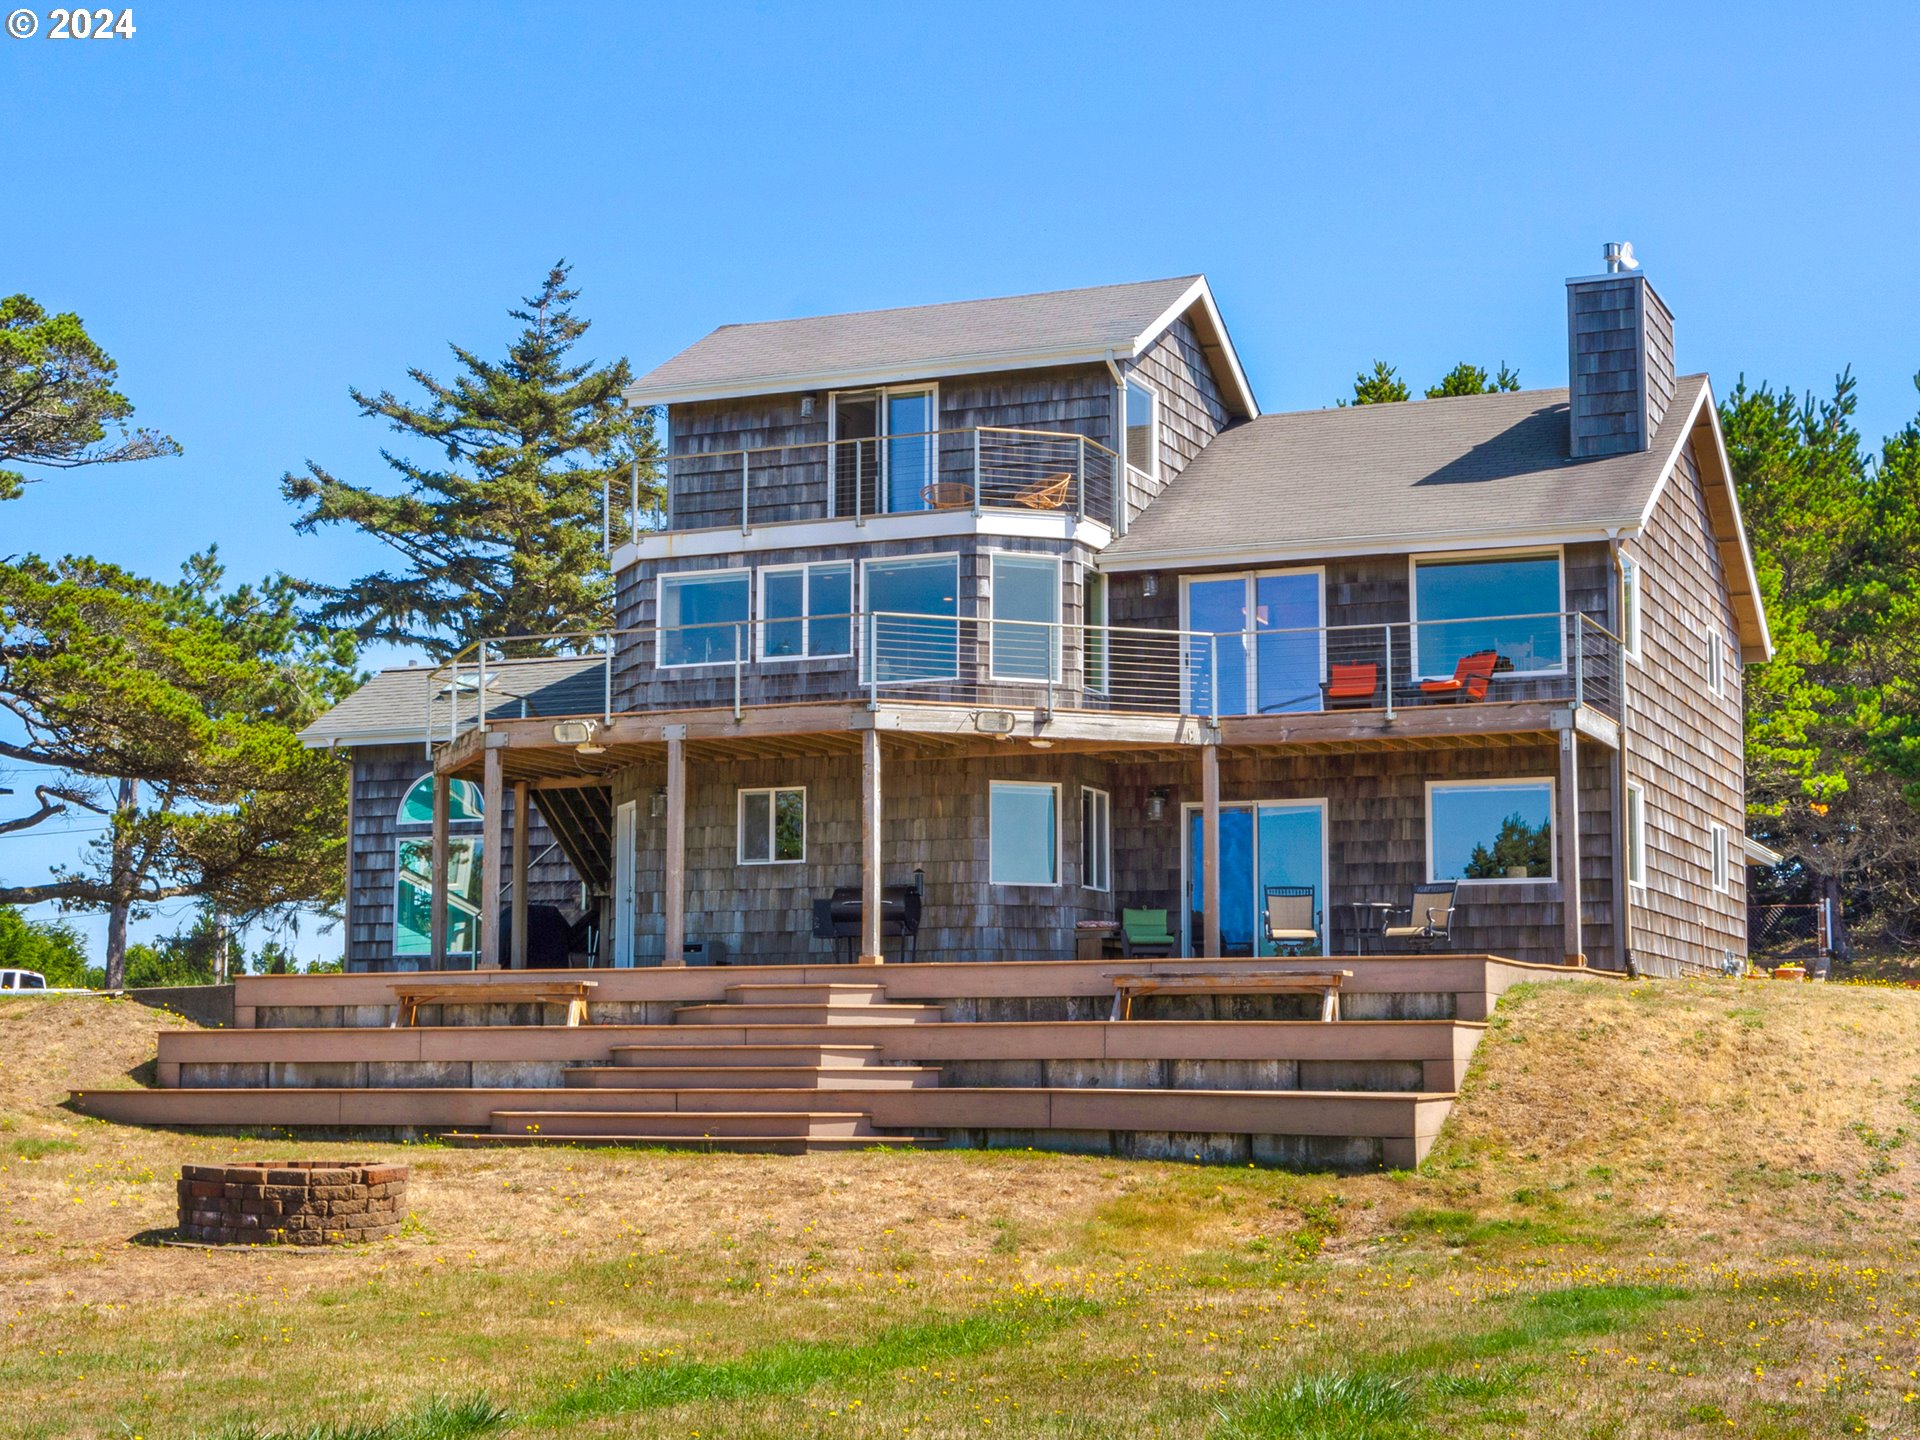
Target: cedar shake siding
382,775
1192,409
1684,744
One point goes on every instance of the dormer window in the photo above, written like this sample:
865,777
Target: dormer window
1143,430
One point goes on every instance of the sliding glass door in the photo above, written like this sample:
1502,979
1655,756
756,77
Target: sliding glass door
884,450
1268,843
1257,646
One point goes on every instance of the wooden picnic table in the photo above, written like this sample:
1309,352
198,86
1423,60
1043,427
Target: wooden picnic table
409,996
1324,983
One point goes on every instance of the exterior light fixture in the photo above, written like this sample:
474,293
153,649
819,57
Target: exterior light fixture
1156,804
995,722
806,407
579,734
1149,585
659,805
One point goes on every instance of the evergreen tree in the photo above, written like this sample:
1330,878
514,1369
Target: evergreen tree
57,398
53,948
1381,385
501,535
172,710
1465,379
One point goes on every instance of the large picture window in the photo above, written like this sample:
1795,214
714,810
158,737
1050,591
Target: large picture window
1023,833
1490,830
1509,604
413,870
906,647
1026,616
806,611
703,617
773,825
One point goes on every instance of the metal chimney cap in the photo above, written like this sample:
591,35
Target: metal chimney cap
1619,256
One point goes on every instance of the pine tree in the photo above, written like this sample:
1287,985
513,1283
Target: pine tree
1381,385
502,537
1465,379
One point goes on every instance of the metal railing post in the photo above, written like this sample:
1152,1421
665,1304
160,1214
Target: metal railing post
1579,669
746,517
1388,631
739,651
1080,484
606,516
1213,675
606,683
979,477
633,500
480,692
859,484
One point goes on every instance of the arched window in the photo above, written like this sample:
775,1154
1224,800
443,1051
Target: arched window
413,870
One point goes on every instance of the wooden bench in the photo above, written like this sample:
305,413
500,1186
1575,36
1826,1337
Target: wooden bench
408,998
1324,983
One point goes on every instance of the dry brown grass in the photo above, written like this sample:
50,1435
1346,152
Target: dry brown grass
1746,1144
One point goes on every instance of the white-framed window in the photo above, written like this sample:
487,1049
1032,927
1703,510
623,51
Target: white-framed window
1509,602
1630,606
806,611
1143,429
1023,833
1096,839
1026,616
1716,664
1093,602
885,451
1491,830
703,617
773,825
1636,836
413,869
912,602
1722,866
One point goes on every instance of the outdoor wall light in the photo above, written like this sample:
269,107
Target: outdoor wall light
1156,804
919,881
659,805
1149,585
806,407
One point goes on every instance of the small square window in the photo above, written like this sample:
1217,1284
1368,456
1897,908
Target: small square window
773,826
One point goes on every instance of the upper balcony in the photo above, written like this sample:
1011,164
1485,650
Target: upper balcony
895,482
1425,682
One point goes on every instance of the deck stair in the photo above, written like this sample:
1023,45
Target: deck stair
781,1077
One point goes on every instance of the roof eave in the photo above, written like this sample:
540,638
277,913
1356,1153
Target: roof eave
640,395
1218,347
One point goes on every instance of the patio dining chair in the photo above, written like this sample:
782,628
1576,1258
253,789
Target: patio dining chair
947,495
1471,677
1426,921
1291,921
1145,932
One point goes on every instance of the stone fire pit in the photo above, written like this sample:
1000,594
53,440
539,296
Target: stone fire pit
291,1202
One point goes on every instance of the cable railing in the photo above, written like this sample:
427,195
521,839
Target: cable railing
882,656
860,479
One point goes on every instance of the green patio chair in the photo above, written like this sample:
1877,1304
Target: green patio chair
1145,932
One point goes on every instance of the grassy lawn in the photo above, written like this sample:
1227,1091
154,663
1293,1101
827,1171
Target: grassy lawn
1661,1209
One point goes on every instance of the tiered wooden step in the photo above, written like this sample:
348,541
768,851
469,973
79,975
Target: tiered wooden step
760,1131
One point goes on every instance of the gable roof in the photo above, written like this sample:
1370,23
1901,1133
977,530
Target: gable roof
1467,472
924,342
393,706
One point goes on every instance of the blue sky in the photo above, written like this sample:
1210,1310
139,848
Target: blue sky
255,206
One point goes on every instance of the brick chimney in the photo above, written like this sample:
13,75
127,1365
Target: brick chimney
1620,364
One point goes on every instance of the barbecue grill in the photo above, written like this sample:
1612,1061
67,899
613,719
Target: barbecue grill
838,919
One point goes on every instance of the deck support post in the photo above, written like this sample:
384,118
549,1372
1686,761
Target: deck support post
492,832
870,952
674,941
437,920
1210,848
1568,822
522,823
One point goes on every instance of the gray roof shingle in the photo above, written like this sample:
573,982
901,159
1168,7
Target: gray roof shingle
924,337
1418,474
392,705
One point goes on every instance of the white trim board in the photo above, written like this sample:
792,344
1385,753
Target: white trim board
906,525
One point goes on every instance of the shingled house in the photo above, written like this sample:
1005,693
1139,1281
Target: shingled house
1023,608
